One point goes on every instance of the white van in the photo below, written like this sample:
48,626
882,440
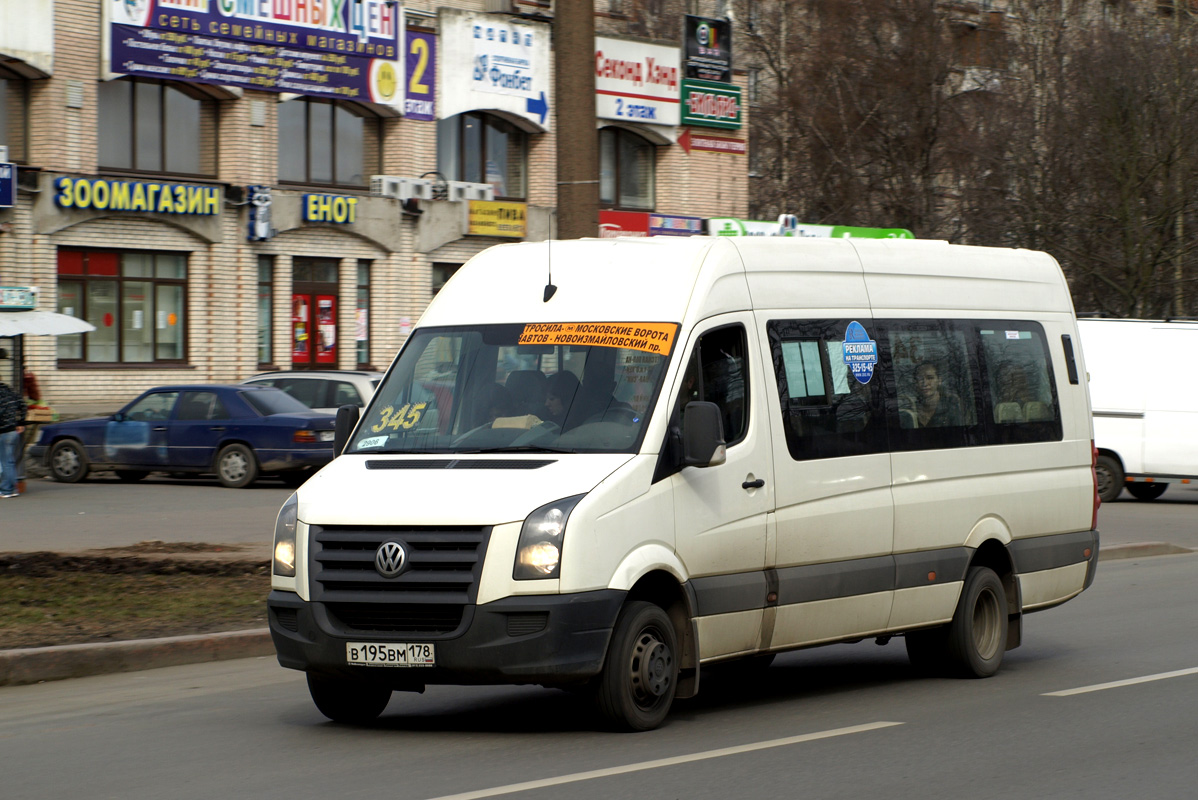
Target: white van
1145,408
606,464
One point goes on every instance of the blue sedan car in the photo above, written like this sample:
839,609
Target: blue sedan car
237,432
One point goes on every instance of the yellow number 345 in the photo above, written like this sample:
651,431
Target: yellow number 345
406,417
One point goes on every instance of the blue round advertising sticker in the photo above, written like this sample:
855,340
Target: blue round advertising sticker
860,352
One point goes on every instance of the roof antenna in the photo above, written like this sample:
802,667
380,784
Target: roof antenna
549,287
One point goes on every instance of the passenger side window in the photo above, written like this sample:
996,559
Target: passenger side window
308,391
200,406
718,373
153,407
1023,395
827,410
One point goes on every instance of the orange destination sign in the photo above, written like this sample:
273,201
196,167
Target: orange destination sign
651,337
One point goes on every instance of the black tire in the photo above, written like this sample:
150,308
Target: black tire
640,677
1147,491
68,462
977,637
130,475
236,466
346,701
1109,473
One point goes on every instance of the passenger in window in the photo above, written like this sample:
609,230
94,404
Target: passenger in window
559,394
935,406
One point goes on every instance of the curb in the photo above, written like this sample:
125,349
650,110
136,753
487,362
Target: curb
39,664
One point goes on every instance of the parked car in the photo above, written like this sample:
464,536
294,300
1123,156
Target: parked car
237,432
323,390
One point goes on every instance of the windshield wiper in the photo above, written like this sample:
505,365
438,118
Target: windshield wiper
520,448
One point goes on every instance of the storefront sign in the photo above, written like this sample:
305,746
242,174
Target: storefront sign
17,298
321,48
637,82
497,218
260,203
715,105
420,65
708,49
666,225
498,64
715,144
8,185
159,198
788,226
330,208
613,224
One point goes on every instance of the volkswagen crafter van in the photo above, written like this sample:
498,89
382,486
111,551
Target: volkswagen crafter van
607,464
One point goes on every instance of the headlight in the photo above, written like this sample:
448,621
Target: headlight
539,551
284,550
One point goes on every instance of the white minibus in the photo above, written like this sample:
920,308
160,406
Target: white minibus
1145,408
604,465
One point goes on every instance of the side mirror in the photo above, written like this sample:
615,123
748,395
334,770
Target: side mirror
702,436
347,420
118,416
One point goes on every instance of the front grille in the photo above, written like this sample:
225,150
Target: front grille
439,579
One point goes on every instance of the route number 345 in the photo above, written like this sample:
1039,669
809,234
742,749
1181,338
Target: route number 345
406,417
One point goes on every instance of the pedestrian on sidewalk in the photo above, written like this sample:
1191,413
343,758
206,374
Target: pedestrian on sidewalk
12,425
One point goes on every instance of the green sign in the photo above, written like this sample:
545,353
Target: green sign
730,226
713,105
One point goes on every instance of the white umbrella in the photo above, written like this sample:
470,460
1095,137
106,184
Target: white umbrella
41,323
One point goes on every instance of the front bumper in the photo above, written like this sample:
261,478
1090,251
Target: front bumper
569,649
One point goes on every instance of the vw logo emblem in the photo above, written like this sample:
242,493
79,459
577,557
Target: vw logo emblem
389,559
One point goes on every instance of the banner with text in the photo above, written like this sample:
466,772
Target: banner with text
637,82
336,49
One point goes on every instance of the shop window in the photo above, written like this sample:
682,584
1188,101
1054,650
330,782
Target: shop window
627,167
14,116
441,275
327,143
362,322
149,126
266,297
483,148
136,299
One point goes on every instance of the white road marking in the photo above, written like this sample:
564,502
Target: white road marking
665,762
1098,687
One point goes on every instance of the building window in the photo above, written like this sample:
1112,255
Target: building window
362,322
326,143
441,275
149,126
483,148
14,116
266,297
627,164
135,298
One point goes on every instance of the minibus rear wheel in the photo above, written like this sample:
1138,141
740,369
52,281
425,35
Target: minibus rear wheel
346,701
977,636
640,677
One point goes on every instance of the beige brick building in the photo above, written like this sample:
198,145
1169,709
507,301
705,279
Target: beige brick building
135,193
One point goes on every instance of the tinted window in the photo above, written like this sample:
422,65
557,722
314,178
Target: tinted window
345,394
935,384
309,391
273,401
718,373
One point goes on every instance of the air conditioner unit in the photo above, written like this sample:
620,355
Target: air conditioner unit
460,191
402,188
500,7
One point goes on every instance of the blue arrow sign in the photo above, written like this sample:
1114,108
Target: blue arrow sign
538,106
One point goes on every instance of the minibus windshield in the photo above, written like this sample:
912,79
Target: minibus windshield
569,387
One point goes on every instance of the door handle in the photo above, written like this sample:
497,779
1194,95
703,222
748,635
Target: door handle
162,428
217,428
757,484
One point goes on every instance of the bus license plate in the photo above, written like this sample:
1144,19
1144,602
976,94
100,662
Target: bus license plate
390,654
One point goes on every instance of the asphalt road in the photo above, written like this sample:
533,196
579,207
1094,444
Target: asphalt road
103,512
848,721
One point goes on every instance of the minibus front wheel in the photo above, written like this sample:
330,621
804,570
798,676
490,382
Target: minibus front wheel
640,675
346,701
